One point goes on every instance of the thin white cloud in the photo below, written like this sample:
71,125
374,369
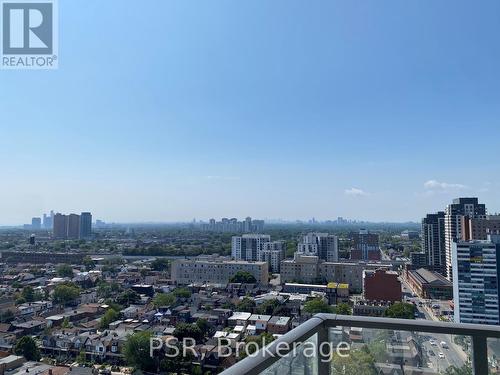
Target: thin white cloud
433,185
355,192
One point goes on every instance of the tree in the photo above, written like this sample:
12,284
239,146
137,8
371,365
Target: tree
81,358
182,293
109,317
243,277
356,363
65,293
28,294
66,323
136,351
246,305
317,305
343,309
160,264
185,330
6,316
269,307
88,263
163,300
113,305
65,270
106,290
262,340
26,346
203,325
401,310
128,297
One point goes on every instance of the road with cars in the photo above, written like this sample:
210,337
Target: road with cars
442,352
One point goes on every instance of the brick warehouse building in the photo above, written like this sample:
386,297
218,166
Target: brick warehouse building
381,285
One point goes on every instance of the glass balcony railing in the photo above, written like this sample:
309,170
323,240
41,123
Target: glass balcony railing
350,345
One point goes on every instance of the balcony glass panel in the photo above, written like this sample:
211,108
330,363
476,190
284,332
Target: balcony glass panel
374,351
302,360
494,355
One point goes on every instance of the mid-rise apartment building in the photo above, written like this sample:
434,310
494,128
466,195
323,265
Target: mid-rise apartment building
248,246
323,245
312,270
215,270
476,277
273,253
365,246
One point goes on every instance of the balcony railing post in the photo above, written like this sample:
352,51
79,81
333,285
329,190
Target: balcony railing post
322,350
479,355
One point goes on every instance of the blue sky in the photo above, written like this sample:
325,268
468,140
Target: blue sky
168,110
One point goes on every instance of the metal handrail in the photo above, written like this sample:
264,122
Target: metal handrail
321,322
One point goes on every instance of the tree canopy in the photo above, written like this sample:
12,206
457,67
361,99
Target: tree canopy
269,307
64,270
26,346
163,299
343,309
316,306
358,362
186,330
160,264
136,351
401,310
128,297
182,293
243,277
109,317
65,293
246,305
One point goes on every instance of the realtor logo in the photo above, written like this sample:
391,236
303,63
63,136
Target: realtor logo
29,34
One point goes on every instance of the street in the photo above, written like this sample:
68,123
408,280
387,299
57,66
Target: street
453,353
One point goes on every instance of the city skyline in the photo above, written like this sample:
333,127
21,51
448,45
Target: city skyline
339,109
206,220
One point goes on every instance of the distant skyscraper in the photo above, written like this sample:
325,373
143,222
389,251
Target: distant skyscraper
36,223
475,281
468,207
85,225
73,226
48,221
99,224
247,225
234,226
68,226
433,241
60,230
